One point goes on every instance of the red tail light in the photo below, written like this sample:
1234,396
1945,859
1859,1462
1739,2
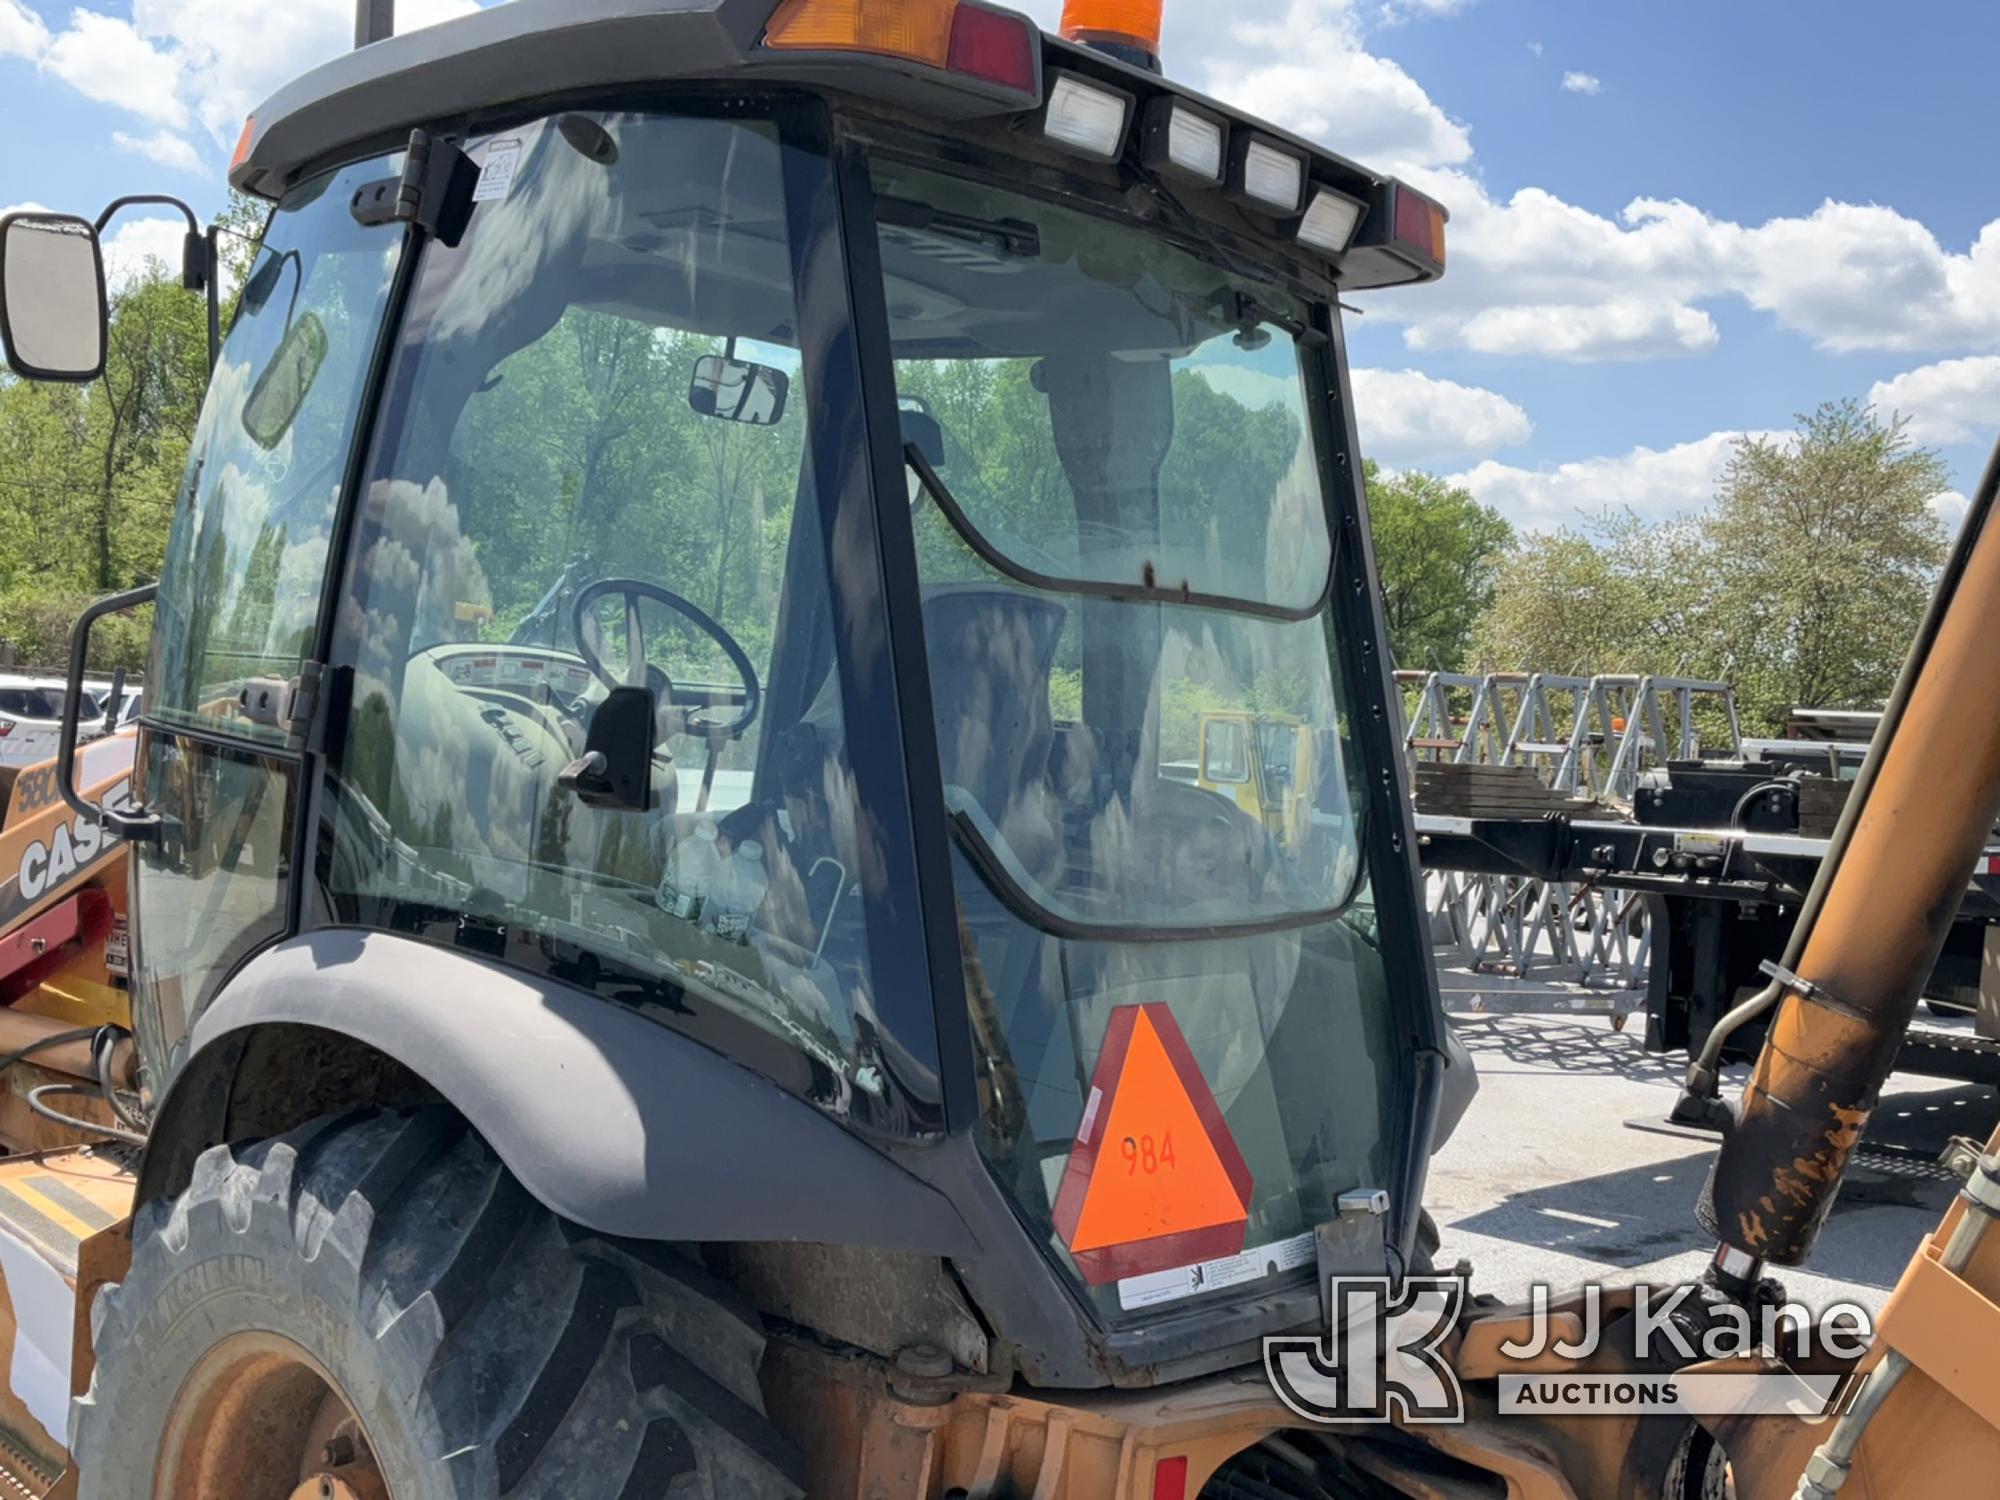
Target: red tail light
1419,224
994,47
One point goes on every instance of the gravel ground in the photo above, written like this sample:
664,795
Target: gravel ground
1546,1181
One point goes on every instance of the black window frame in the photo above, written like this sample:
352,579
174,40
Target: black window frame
1352,604
871,590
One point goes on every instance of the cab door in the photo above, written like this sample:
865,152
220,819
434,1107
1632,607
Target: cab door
230,687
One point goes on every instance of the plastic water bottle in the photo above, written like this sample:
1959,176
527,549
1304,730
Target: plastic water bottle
692,871
739,891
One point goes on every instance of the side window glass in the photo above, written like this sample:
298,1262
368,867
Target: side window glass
593,531
214,886
1224,757
248,550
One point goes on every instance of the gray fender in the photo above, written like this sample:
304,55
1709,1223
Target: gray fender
610,1120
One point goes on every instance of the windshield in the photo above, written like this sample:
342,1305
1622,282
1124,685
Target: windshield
1125,559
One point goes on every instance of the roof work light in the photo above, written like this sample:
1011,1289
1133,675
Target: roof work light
1265,177
1086,117
1330,221
1183,141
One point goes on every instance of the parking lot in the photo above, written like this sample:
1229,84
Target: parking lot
1563,1171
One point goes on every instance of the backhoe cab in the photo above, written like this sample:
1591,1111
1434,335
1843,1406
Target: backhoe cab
673,951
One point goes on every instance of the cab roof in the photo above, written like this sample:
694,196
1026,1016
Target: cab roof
513,55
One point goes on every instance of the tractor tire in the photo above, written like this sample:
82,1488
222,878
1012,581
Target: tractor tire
471,1343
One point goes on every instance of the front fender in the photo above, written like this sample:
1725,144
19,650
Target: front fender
610,1120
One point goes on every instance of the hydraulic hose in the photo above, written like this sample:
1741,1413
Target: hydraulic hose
1879,912
105,1044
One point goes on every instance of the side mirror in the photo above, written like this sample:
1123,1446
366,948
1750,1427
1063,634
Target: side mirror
734,390
53,308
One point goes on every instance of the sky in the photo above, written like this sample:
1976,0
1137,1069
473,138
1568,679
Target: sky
1671,224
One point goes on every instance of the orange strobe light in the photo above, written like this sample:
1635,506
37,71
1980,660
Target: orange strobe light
1133,22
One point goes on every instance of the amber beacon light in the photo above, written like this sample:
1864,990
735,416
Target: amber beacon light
1115,25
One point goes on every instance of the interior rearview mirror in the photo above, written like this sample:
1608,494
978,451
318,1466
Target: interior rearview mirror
53,309
734,390
282,389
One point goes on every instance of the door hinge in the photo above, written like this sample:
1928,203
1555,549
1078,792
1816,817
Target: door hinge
434,191
302,703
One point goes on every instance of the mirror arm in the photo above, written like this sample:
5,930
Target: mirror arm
201,260
141,826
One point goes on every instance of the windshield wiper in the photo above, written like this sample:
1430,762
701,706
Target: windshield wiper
1014,236
1145,590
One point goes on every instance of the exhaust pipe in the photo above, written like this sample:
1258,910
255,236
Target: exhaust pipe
374,21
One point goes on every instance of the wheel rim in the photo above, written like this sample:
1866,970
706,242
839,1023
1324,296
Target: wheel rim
261,1419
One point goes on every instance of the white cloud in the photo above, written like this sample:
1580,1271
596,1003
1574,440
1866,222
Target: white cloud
106,59
164,147
1410,420
1847,276
1619,328
209,62
1405,10
1535,48
135,242
1950,507
1303,63
1654,482
1535,276
1309,70
1954,401
1582,83
22,32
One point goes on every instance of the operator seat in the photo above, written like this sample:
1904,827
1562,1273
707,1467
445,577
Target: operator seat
992,652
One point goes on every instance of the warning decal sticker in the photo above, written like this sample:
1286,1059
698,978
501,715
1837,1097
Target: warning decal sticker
1154,1179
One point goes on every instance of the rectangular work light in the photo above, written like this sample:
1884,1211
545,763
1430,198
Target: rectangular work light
1086,117
1267,177
1179,140
1330,221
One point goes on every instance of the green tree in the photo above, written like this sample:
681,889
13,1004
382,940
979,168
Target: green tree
1438,551
1824,549
1801,585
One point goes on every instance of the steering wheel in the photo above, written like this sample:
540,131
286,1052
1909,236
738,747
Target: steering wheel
750,697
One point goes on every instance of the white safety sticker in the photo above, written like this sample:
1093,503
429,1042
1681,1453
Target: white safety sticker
1089,1116
496,173
44,1324
1213,1275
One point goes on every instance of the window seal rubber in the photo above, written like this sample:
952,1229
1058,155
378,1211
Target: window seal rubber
1123,593
1013,893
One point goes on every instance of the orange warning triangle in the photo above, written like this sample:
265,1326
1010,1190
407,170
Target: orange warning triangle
1154,1179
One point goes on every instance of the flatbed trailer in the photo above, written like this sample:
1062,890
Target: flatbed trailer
1721,903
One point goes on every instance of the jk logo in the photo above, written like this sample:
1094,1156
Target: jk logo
1379,1361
